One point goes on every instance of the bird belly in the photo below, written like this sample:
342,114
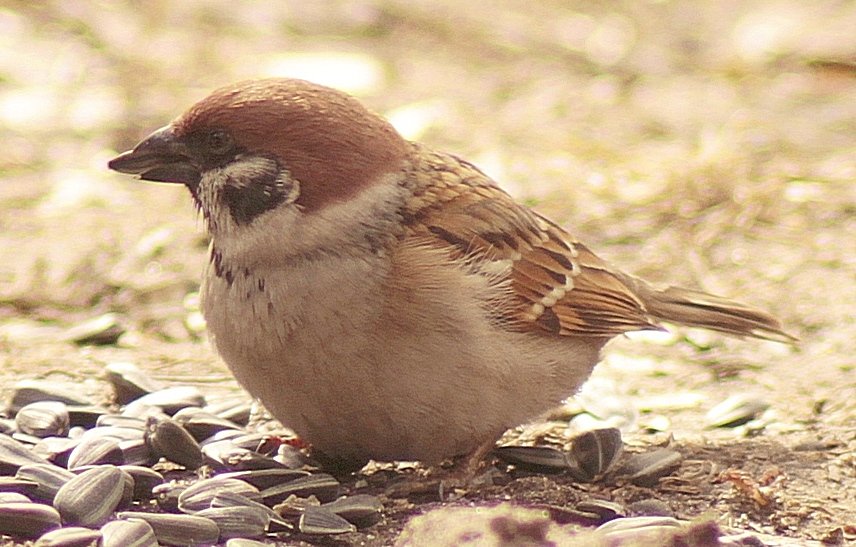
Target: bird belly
333,353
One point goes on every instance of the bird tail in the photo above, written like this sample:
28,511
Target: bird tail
700,309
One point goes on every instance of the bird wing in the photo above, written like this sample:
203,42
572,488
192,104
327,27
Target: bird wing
557,284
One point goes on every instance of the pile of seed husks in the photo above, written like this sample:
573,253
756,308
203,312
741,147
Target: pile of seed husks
162,466
171,466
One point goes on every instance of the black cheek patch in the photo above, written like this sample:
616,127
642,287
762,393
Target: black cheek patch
247,200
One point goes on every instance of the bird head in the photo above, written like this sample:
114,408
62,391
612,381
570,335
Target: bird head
254,147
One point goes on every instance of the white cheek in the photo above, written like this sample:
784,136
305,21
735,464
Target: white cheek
243,171
247,168
282,233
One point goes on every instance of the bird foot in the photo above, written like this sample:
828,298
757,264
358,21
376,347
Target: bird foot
467,474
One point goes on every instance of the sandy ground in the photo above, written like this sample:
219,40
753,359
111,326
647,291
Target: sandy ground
707,144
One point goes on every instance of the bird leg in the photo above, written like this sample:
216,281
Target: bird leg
465,474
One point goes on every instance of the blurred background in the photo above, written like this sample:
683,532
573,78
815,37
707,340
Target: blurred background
707,143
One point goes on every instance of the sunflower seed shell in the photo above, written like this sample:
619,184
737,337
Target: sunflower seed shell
27,520
73,536
320,521
198,496
177,529
91,497
43,419
128,533
168,439
48,478
235,522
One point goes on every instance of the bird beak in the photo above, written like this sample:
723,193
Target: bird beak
160,157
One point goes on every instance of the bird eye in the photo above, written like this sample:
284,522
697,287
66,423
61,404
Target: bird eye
218,142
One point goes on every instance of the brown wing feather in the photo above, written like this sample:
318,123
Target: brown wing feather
557,284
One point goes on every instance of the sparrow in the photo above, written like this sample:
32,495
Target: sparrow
385,300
